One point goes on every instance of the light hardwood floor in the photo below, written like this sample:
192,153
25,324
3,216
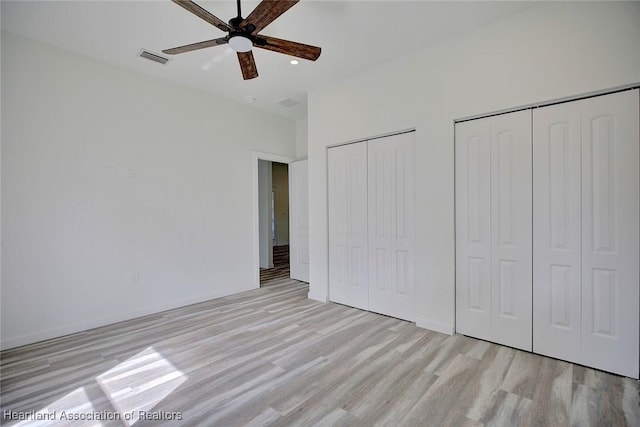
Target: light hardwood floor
273,357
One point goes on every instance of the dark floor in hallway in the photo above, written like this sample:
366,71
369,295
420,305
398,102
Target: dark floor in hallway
280,270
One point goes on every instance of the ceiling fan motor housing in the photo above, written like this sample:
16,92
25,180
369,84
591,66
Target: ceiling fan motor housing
235,22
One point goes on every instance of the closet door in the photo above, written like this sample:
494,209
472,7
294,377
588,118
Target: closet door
299,215
348,270
473,228
392,225
511,186
557,239
493,229
610,232
586,245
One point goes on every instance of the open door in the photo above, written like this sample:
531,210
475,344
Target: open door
299,220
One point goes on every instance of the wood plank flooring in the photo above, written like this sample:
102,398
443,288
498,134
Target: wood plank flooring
273,357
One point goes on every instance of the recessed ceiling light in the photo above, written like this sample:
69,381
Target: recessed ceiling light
294,62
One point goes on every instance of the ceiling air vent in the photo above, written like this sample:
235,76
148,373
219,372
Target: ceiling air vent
153,57
287,102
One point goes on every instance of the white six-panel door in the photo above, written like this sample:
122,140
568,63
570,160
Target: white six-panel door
348,243
299,220
493,228
391,197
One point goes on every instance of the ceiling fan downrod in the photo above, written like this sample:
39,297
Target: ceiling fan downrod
235,22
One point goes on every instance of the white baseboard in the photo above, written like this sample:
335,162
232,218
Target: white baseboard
433,325
317,297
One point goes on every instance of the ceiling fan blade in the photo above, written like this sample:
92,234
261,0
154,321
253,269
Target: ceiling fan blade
265,13
287,47
247,65
196,46
202,13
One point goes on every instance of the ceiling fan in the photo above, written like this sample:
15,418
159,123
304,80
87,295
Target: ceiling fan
243,34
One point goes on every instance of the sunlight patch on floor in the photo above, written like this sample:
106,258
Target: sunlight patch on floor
63,411
127,393
138,384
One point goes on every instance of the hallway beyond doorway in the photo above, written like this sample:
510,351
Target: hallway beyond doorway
280,270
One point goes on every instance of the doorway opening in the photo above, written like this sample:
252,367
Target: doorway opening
273,198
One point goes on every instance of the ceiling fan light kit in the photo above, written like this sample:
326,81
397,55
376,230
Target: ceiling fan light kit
243,34
240,44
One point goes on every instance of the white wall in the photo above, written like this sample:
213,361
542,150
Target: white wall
302,140
122,195
549,51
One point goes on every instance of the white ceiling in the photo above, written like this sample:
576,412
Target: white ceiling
353,35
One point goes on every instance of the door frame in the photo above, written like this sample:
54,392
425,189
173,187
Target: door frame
255,157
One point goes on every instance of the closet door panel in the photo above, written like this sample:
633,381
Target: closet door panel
358,239
511,184
392,225
473,228
348,259
557,231
338,239
610,230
